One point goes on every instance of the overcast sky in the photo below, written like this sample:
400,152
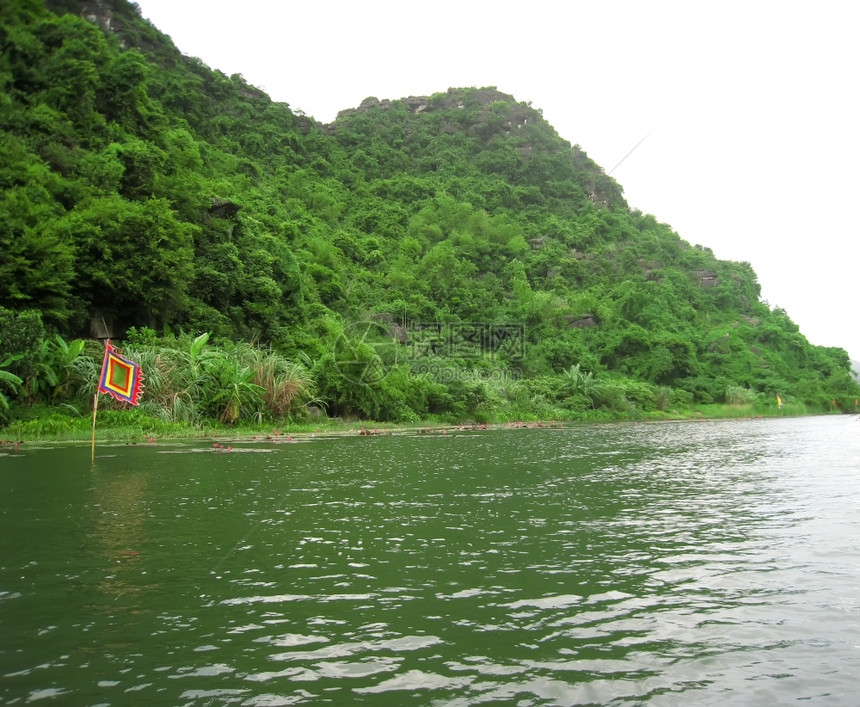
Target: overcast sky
749,110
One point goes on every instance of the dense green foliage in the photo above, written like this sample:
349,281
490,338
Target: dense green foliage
501,269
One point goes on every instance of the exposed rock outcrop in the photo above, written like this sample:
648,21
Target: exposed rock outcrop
707,278
222,208
582,321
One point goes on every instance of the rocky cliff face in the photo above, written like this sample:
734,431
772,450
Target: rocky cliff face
99,12
418,104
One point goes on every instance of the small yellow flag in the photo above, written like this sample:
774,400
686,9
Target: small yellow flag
778,401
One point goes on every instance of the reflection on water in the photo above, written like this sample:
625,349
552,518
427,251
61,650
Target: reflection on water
710,563
117,515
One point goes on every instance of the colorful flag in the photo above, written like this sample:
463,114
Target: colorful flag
778,401
120,377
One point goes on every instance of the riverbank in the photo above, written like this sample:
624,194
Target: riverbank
132,426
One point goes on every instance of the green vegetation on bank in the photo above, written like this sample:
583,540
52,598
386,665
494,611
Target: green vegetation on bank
193,389
445,258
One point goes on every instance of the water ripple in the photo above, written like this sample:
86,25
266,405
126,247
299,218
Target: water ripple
704,563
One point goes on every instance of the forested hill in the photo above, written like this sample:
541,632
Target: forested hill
455,245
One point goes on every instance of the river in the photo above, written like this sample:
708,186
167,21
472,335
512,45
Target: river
675,563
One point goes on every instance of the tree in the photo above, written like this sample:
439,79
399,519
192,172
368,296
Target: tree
134,259
37,267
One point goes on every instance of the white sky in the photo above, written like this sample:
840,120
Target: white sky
752,106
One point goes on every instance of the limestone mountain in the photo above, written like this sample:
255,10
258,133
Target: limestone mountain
141,188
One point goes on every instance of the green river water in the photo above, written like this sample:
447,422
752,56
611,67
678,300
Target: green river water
710,563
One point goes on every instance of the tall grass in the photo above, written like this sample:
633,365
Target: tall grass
188,382
283,381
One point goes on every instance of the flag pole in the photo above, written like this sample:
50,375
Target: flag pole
106,343
95,410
